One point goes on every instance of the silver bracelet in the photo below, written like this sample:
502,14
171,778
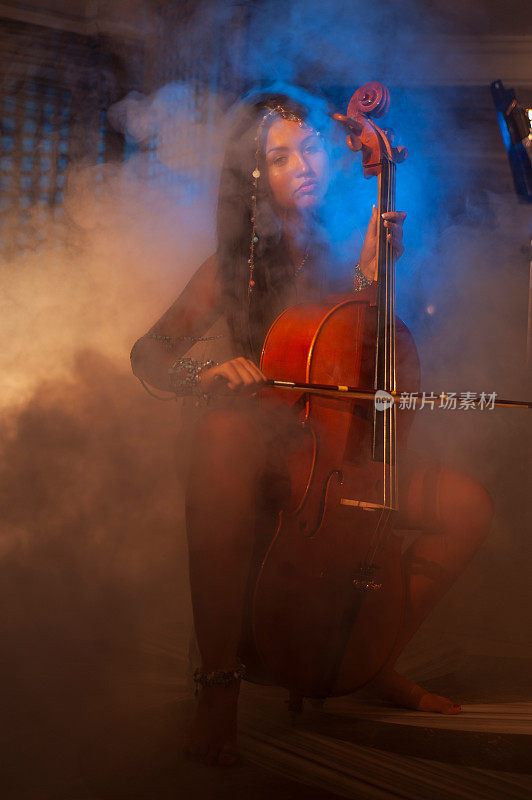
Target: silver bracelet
184,375
360,280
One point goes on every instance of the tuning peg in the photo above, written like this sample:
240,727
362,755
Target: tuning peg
351,124
399,154
354,143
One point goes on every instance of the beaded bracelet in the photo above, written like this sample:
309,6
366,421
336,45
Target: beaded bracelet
184,375
219,677
360,280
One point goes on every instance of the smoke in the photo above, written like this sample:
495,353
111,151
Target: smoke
98,288
93,555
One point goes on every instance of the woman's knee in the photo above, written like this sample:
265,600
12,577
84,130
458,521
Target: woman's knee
467,503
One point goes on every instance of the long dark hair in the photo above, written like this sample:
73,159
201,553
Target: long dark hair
249,318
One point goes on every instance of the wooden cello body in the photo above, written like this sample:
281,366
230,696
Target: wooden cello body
327,597
328,600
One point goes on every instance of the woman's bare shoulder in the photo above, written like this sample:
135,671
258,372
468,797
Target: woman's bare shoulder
210,265
198,304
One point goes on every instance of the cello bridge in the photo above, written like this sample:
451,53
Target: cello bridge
364,579
365,506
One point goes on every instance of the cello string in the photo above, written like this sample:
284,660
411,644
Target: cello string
391,375
380,530
382,338
395,477
391,328
386,195
379,430
373,545
379,340
392,282
389,463
389,300
389,334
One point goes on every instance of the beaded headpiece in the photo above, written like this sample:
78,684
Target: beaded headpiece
270,112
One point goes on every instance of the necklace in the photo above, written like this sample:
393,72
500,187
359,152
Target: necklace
302,263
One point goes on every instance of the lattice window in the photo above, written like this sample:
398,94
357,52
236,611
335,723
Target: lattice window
52,112
35,126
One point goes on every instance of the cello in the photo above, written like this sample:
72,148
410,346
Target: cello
327,597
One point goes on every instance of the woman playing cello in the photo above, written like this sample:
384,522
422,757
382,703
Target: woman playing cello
274,252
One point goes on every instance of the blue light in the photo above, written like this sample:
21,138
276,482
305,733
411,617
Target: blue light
505,133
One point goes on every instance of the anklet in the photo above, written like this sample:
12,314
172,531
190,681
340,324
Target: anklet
219,677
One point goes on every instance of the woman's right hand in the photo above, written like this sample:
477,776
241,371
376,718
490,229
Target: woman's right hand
238,375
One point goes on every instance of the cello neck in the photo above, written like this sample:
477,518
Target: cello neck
384,428
385,354
379,159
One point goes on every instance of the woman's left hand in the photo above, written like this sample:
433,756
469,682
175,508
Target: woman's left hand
393,225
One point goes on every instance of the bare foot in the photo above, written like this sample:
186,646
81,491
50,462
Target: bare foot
212,736
403,692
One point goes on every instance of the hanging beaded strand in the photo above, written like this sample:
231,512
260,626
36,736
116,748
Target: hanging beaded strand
254,237
255,175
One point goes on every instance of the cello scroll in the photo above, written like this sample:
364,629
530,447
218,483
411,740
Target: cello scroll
370,100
